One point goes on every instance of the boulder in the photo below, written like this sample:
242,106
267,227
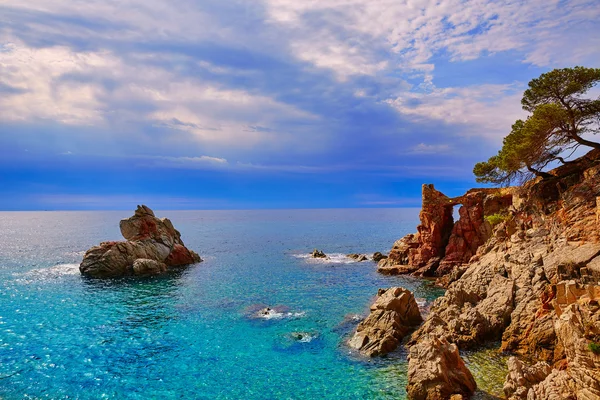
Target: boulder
437,372
152,246
393,314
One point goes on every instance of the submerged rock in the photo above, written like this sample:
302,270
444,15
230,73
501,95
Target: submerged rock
393,314
152,246
437,372
318,254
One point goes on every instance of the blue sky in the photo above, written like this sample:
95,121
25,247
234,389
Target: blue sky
266,103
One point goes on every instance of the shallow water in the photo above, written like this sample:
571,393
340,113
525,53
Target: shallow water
194,333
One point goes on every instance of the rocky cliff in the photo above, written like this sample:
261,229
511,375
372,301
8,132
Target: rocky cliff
522,267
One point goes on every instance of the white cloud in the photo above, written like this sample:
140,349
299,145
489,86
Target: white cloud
63,85
423,148
546,32
483,110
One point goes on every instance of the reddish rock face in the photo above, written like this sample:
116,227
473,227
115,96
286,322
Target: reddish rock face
435,228
180,255
469,232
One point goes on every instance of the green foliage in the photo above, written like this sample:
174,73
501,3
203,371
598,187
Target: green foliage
495,219
559,117
594,347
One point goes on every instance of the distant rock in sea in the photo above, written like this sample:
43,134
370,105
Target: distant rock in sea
357,257
152,247
318,254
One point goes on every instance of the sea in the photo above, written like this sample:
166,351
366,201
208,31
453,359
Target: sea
197,333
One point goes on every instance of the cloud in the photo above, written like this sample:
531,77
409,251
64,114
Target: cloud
423,148
481,110
284,86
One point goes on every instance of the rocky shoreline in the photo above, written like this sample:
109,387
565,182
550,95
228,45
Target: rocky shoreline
521,267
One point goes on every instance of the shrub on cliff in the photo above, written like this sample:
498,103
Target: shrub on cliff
559,118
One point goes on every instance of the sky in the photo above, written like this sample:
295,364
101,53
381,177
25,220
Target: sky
240,104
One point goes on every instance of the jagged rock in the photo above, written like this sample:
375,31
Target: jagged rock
469,232
357,257
556,386
565,261
393,314
154,243
522,377
591,272
435,227
436,371
377,256
470,317
318,254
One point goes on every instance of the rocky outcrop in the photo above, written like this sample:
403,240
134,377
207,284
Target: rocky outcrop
437,372
393,314
440,244
152,247
530,281
522,377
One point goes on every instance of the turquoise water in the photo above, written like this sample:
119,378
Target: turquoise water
193,334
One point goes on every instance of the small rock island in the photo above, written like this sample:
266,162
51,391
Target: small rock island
152,246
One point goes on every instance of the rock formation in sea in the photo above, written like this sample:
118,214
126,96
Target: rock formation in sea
152,246
522,268
357,257
318,254
394,313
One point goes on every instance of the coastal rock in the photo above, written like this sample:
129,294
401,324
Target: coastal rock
377,256
393,314
437,372
468,233
522,377
318,254
153,246
435,227
357,257
469,316
576,328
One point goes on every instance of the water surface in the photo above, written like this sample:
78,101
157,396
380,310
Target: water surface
191,334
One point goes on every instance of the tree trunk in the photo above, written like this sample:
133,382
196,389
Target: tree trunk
539,173
584,142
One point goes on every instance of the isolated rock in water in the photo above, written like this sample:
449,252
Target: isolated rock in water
377,256
393,314
318,254
357,257
521,377
152,246
437,372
